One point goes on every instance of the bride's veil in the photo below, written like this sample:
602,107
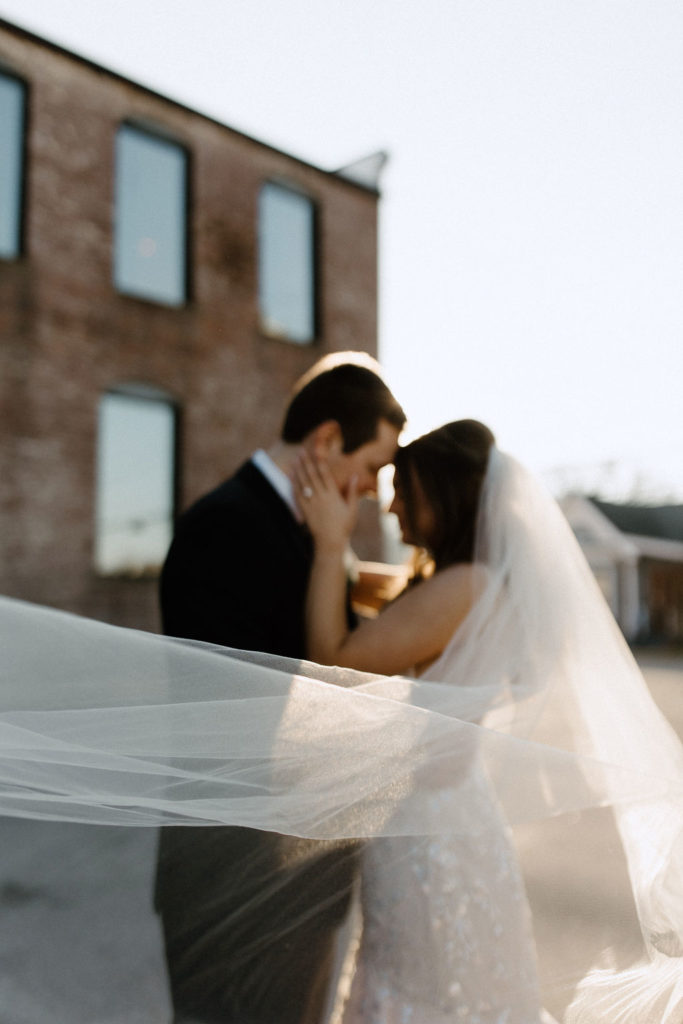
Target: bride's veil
108,726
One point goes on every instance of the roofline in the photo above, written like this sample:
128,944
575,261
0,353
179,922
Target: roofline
631,546
609,532
658,548
101,69
649,506
662,534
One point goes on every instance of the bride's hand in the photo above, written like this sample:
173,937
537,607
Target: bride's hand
328,514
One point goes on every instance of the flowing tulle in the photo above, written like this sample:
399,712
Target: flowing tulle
115,727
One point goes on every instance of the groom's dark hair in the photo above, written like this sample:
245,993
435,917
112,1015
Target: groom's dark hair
346,387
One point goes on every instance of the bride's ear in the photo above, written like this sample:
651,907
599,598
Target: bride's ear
326,440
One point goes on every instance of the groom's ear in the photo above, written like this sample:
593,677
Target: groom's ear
327,440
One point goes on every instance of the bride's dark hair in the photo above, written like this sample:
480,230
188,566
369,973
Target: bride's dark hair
448,464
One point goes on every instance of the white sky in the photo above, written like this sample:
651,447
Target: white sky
531,256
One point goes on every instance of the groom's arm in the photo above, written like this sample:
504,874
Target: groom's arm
214,584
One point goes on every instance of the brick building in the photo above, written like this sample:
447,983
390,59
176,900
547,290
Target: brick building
163,281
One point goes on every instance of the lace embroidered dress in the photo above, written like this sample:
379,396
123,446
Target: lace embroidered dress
446,927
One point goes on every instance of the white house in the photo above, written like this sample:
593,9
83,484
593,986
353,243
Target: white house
636,553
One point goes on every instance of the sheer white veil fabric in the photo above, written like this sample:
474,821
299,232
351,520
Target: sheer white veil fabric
111,726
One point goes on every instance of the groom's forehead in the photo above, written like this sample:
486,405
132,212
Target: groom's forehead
382,449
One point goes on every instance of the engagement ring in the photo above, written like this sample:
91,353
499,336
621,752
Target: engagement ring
307,492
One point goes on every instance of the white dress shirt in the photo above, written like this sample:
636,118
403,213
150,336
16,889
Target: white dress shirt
278,480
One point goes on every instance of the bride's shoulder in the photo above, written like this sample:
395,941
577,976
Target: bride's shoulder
457,587
472,576
447,591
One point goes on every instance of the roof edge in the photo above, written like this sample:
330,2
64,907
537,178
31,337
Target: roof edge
103,69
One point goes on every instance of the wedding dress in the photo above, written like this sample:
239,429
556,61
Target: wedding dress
446,926
473,786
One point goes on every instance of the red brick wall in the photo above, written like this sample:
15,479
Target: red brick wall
67,336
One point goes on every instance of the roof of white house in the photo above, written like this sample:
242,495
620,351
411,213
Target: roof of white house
664,521
626,532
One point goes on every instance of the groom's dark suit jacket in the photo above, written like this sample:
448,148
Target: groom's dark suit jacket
242,943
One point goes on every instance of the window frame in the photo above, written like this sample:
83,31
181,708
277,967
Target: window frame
158,134
315,310
142,393
22,184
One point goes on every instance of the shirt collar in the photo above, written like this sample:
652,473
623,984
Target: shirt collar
277,478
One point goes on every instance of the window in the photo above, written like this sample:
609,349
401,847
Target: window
287,278
135,481
150,227
12,120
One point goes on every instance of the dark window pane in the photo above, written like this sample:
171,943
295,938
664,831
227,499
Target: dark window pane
135,483
150,226
286,264
11,165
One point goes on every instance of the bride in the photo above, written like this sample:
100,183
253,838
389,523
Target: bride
446,928
514,737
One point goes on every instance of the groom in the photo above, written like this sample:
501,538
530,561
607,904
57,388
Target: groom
246,941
